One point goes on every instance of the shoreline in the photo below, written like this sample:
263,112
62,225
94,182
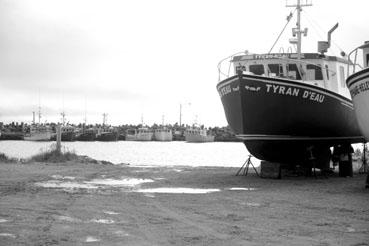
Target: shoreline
77,203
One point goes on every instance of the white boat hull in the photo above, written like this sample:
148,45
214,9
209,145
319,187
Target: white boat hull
140,137
193,138
163,136
46,136
358,84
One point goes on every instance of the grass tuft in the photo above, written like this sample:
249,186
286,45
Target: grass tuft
53,155
5,158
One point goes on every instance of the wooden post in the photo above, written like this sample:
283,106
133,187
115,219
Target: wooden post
58,138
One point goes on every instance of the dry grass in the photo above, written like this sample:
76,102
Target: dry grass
53,155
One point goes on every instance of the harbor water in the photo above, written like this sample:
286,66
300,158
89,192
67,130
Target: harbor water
176,153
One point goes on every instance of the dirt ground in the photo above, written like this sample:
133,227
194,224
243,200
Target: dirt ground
42,204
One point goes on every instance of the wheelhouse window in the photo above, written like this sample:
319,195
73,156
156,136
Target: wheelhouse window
257,69
276,69
314,72
293,71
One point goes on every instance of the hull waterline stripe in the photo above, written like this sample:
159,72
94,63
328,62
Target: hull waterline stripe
357,79
346,100
288,137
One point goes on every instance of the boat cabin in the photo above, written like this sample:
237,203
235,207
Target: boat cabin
329,72
165,130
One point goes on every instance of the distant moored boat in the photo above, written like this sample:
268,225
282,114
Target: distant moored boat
198,135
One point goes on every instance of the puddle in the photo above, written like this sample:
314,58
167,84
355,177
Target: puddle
241,188
7,235
65,185
110,212
3,220
178,190
56,176
350,229
149,195
103,221
252,204
177,170
90,239
121,233
93,184
67,218
119,182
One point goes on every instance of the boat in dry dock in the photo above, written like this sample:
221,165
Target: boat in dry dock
358,83
285,105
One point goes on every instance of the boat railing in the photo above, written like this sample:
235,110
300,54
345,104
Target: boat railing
354,63
231,71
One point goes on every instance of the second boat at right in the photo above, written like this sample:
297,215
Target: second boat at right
358,84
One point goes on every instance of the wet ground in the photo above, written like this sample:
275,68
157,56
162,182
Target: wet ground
94,204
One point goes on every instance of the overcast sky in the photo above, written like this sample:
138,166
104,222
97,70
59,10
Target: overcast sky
144,57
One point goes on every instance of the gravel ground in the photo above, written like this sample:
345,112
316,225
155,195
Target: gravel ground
95,204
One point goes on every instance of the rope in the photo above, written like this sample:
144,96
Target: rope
288,21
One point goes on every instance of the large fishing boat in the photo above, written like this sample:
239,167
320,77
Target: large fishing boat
289,105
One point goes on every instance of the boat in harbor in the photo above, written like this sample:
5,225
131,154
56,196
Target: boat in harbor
288,105
198,135
39,132
68,133
163,134
86,134
140,134
106,134
358,84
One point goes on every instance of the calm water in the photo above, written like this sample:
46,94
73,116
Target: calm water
143,153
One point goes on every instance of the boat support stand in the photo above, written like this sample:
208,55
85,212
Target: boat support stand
245,168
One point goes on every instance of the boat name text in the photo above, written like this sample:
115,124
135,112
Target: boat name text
359,88
290,91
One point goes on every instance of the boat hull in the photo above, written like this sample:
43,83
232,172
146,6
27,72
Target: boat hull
163,136
107,137
86,136
191,138
358,85
39,137
139,137
279,119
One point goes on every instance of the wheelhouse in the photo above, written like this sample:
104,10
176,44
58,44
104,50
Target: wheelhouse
327,72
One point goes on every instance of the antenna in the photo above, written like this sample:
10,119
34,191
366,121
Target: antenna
39,107
63,117
85,118
297,30
105,116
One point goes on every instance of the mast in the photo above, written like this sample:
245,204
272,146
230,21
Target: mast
63,117
297,30
180,114
105,115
